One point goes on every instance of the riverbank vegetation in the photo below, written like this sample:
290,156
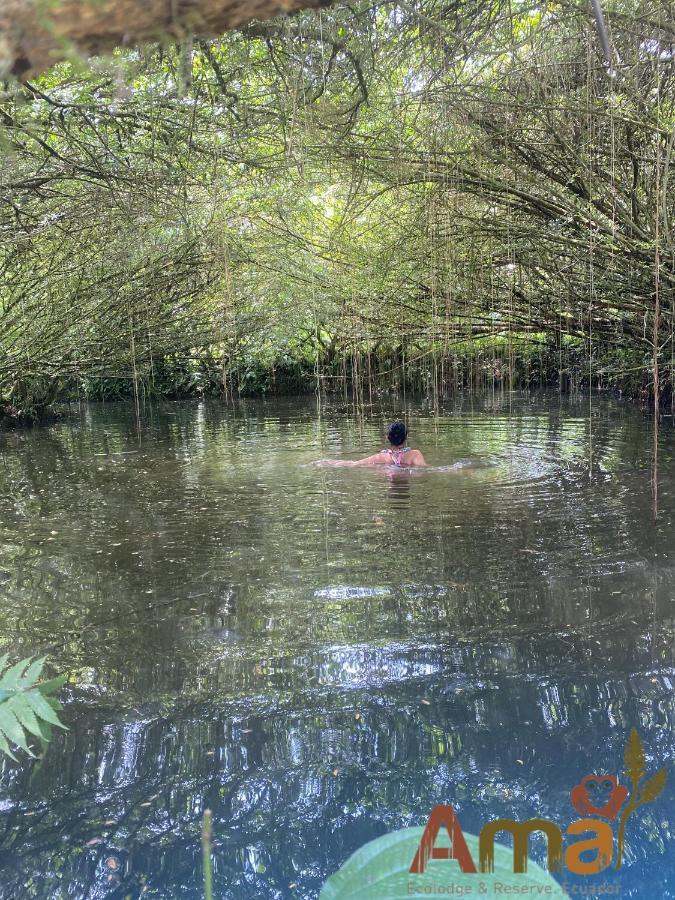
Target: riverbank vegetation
420,196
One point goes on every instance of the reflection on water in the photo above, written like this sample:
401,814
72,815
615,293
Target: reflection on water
320,655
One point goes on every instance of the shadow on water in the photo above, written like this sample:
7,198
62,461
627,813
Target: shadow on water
321,655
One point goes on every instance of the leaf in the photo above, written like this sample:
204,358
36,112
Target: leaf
4,748
47,732
381,869
27,707
653,786
12,729
42,708
33,672
48,687
10,679
20,707
55,704
634,758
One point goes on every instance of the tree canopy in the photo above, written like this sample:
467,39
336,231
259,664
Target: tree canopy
433,193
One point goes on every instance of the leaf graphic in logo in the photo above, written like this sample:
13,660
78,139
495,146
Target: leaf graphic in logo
651,789
634,759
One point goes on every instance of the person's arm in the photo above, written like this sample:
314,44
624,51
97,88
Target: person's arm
374,460
418,459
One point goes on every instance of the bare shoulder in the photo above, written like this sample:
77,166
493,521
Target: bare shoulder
417,458
377,459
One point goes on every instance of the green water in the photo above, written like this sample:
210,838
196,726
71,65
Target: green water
320,655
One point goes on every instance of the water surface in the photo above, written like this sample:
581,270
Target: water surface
320,655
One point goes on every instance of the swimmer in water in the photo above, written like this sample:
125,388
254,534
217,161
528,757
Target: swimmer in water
397,455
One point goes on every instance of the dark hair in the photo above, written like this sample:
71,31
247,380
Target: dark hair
397,433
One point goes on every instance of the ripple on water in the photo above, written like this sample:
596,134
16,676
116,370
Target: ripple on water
350,592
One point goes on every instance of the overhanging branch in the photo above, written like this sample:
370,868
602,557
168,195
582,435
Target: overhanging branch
35,35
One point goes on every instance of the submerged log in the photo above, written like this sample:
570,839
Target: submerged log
35,35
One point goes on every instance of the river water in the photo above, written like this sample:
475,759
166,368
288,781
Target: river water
320,655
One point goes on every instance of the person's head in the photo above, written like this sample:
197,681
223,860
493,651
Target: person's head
397,433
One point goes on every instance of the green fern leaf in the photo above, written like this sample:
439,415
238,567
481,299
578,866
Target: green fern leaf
54,684
10,680
42,708
47,730
26,707
4,748
12,729
21,708
33,672
55,704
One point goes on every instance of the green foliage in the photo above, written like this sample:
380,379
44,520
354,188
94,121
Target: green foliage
28,707
382,869
360,190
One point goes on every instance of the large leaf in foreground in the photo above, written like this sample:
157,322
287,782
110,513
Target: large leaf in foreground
380,871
